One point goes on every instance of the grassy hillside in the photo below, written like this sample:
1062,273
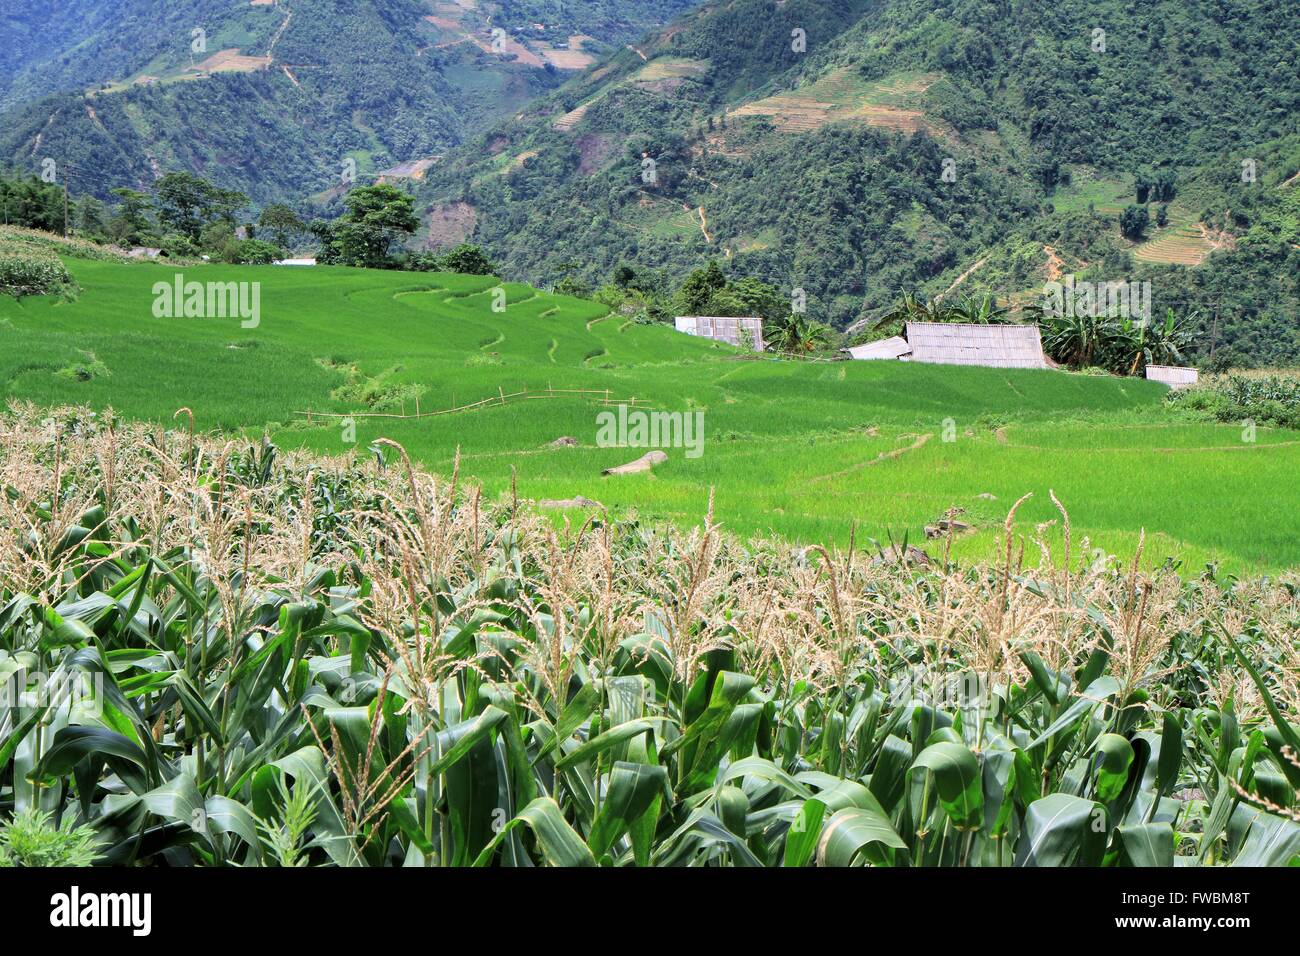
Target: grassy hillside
803,450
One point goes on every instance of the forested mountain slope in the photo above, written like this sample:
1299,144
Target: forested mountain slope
864,149
273,97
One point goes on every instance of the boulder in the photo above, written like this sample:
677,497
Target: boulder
578,501
644,463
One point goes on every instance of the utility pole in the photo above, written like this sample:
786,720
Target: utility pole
67,226
1214,332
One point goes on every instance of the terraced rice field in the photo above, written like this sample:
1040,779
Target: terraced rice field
232,61
572,118
805,451
1181,243
842,96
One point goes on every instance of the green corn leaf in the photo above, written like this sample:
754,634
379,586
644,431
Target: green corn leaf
851,831
804,834
560,844
633,787
1062,830
957,779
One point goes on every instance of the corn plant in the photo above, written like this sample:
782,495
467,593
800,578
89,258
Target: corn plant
217,654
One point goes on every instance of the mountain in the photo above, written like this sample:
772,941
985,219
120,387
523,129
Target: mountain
860,149
273,97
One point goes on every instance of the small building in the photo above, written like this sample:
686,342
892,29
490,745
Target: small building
144,252
738,331
895,347
992,346
1175,376
294,262
957,343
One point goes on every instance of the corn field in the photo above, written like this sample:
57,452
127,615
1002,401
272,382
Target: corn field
216,654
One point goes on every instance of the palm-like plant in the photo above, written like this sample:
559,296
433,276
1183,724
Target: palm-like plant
978,310
983,310
799,335
1074,339
1124,346
910,308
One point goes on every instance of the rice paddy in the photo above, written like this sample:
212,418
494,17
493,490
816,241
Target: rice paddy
842,96
810,452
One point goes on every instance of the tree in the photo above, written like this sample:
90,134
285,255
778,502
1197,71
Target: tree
983,310
187,203
1142,188
1164,189
91,218
132,224
1162,343
254,252
1076,339
1133,221
377,216
281,221
624,276
32,203
699,289
754,297
468,260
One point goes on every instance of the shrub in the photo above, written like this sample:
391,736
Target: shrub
254,252
31,270
77,248
31,839
176,246
1235,398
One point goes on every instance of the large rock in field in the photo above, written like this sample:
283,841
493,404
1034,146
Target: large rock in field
644,463
578,501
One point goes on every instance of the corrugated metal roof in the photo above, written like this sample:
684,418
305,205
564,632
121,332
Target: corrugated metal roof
890,348
1175,376
723,328
994,346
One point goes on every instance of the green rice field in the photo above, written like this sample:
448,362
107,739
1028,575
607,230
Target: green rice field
806,451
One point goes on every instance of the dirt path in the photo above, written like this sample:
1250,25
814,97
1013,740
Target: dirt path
638,53
94,118
704,224
292,79
1215,242
882,457
961,278
36,143
1055,264
278,33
